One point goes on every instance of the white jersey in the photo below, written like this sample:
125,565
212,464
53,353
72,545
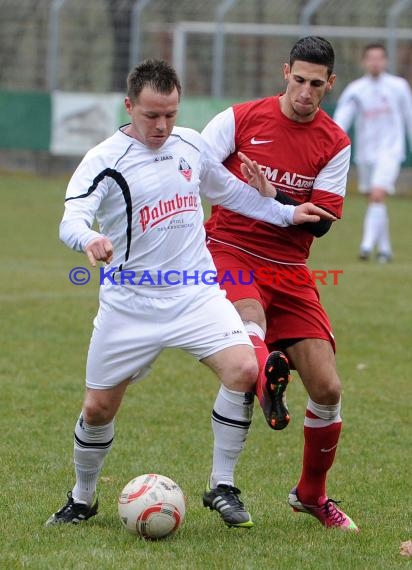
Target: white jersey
382,110
148,203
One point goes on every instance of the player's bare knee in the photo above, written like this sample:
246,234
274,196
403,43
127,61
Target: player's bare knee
328,393
244,374
250,371
97,413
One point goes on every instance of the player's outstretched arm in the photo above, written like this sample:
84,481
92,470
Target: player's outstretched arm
220,187
306,213
99,249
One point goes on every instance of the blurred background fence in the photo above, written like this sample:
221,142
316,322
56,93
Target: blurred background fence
224,50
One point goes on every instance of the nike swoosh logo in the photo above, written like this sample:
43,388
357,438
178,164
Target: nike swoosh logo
330,449
258,141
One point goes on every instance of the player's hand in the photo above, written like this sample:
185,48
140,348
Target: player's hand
308,212
99,249
255,177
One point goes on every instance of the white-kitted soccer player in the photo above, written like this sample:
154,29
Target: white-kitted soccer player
380,106
143,186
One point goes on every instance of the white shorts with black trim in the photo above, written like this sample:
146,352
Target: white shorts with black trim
130,330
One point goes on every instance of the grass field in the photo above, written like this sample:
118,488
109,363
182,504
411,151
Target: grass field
164,424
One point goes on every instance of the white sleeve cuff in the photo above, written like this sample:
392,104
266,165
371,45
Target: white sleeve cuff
288,212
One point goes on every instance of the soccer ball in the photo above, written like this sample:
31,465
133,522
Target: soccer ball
151,506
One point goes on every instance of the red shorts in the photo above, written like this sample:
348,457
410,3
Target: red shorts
287,294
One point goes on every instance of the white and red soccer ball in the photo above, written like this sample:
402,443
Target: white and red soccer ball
151,506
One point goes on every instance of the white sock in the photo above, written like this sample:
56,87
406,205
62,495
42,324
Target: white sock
231,419
91,445
328,414
384,242
373,225
254,329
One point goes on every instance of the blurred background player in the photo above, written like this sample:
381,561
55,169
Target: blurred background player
380,105
306,156
143,186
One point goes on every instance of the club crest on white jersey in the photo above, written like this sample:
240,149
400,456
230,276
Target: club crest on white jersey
185,169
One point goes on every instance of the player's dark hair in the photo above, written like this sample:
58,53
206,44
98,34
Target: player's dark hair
313,49
376,45
155,73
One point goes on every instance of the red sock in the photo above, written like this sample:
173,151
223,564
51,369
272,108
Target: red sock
318,456
262,353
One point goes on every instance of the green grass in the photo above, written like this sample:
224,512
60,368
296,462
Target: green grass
164,423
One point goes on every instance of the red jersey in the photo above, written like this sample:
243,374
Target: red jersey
307,161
